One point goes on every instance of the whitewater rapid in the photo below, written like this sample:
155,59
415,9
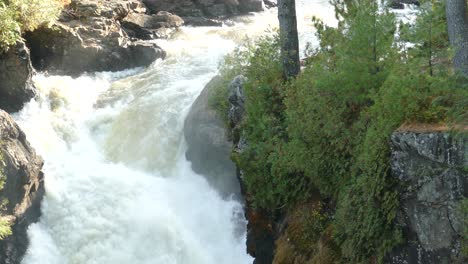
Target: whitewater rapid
118,187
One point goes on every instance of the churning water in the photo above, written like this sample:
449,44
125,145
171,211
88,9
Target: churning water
118,187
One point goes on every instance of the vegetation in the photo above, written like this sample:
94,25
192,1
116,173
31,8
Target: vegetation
18,16
329,129
5,228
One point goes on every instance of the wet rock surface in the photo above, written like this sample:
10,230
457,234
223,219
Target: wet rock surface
23,188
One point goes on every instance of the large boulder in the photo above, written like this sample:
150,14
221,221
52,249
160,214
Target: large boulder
208,143
250,6
430,166
23,188
15,78
89,37
146,27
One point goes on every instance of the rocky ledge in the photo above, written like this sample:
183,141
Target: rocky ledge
89,37
23,188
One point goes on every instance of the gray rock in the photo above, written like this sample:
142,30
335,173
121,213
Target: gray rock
202,22
250,6
430,167
147,27
209,148
20,169
180,7
270,3
236,100
16,71
92,44
205,8
115,9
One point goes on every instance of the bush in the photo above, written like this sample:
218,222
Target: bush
18,16
10,27
5,225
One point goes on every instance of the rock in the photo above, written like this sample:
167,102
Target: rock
236,100
115,9
134,26
261,228
179,7
202,22
23,188
209,148
260,235
16,71
400,4
92,44
246,6
147,27
205,8
430,166
270,3
168,20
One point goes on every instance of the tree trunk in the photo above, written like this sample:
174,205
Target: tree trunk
289,38
457,22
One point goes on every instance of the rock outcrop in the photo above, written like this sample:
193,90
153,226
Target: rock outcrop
146,27
261,228
209,147
205,8
15,78
23,188
89,37
431,167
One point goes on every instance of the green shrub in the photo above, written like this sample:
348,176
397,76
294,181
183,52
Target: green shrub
9,27
329,129
18,16
5,225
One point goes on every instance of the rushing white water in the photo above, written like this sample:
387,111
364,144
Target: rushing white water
118,187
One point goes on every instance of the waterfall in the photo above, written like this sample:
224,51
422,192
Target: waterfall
118,187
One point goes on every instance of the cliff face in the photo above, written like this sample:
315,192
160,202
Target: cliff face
15,77
431,169
23,188
89,37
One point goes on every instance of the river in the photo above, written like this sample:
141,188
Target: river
118,187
